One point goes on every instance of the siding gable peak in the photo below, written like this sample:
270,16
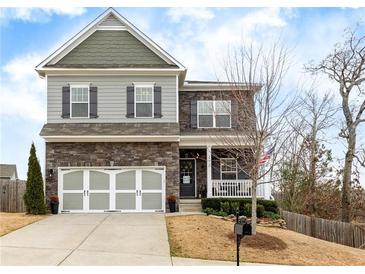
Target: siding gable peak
110,20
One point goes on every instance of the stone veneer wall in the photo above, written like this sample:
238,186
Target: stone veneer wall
185,98
122,154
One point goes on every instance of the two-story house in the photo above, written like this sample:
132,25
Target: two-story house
125,129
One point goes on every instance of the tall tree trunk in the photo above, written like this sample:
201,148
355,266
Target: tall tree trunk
347,171
254,206
312,174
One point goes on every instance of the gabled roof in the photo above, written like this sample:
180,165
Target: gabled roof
8,171
109,20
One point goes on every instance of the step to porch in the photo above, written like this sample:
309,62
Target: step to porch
190,205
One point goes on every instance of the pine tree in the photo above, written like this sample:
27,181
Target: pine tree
34,194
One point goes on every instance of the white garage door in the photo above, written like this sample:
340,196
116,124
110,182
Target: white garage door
112,189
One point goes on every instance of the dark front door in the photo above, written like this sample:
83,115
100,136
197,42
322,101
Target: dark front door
187,178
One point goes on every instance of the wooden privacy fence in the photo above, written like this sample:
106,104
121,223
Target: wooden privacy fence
11,195
329,230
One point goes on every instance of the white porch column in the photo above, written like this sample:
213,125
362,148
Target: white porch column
209,171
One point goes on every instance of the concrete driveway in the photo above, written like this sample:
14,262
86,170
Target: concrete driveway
89,239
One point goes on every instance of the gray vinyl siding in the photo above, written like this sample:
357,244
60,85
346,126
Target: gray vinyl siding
112,98
111,48
111,21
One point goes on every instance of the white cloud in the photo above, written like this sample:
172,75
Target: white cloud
177,14
23,93
37,14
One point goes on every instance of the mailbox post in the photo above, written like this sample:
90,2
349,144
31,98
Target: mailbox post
241,228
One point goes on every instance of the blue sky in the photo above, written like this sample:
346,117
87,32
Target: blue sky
197,37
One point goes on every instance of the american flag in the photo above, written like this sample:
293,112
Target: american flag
266,156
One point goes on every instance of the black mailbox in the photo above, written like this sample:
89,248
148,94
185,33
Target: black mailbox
238,229
247,229
242,229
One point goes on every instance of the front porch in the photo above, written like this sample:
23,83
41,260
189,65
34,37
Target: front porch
214,172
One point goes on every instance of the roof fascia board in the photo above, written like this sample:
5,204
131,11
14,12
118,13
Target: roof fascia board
199,140
108,71
81,34
155,47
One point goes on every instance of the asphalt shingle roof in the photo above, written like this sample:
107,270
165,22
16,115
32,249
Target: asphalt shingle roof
103,129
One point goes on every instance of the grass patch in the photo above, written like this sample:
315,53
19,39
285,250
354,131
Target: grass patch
211,238
13,221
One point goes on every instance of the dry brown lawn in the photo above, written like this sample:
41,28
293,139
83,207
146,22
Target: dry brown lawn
206,237
14,221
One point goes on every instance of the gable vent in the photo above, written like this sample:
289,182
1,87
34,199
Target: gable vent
111,21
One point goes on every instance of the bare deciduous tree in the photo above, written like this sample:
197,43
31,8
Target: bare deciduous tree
255,75
346,66
309,121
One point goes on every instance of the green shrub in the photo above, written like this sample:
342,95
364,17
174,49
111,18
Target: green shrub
248,210
34,194
260,211
225,206
208,211
234,207
271,215
215,203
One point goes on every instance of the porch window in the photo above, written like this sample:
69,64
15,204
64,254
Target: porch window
144,101
214,114
79,102
228,168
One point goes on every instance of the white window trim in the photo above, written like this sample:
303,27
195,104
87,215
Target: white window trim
152,101
228,172
215,114
88,101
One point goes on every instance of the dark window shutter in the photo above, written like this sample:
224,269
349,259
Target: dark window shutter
130,102
65,102
234,114
193,117
157,102
93,102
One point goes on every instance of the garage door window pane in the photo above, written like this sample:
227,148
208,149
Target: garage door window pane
73,181
151,180
126,181
152,201
99,201
126,201
99,180
72,201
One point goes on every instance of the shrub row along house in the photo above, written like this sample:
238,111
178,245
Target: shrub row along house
125,129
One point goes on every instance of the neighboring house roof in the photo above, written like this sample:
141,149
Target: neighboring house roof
88,49
110,129
8,171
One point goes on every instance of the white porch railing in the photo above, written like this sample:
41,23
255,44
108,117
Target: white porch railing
235,188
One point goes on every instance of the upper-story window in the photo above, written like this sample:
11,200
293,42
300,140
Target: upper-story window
79,102
214,114
143,101
228,168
